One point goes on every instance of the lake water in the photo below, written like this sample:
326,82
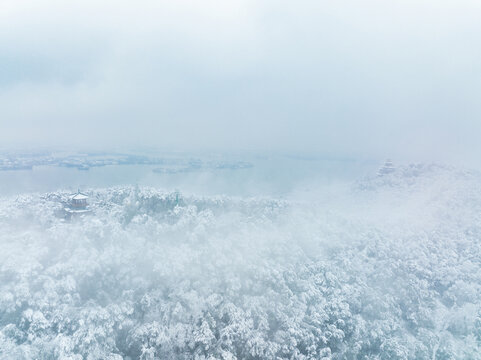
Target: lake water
269,176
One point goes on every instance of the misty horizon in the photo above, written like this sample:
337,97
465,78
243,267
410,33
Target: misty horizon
240,180
347,78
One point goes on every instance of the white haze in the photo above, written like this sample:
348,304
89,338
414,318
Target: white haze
386,269
229,150
356,78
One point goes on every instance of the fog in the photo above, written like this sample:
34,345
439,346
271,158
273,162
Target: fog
387,268
208,180
351,78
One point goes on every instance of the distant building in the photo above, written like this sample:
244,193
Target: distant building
77,204
387,168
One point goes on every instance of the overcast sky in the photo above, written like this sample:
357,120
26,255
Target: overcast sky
369,78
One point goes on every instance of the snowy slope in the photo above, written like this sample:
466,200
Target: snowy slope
390,269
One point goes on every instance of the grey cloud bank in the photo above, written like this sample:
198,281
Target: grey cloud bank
365,78
190,247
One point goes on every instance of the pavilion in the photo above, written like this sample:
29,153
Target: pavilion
387,168
78,204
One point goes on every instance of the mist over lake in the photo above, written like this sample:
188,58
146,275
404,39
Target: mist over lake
240,180
336,260
215,174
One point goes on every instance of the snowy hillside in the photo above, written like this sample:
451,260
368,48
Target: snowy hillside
390,269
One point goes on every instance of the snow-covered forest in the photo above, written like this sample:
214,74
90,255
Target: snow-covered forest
388,269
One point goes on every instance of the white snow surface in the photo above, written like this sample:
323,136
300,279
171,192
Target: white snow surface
389,269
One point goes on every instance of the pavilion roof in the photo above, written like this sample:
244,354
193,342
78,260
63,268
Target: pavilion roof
79,196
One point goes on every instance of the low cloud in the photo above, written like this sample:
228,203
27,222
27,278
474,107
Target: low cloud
349,78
